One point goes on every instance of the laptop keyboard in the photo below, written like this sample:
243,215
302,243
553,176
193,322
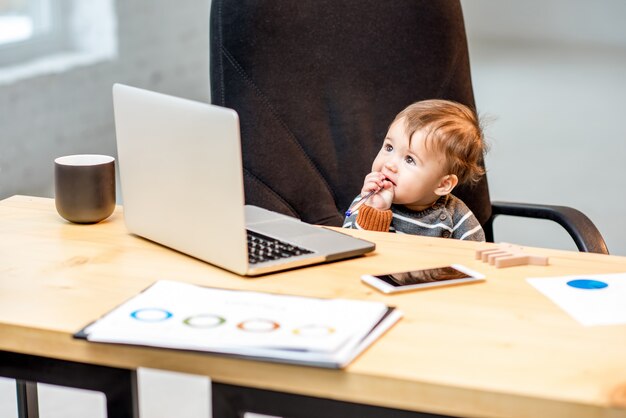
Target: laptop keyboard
262,248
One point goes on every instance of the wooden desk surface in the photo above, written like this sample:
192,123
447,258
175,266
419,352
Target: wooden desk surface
492,349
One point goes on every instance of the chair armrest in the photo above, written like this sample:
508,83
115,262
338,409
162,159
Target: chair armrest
577,224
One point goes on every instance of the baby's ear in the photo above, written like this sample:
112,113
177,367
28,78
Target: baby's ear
446,184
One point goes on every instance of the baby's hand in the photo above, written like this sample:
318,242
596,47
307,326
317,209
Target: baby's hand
384,197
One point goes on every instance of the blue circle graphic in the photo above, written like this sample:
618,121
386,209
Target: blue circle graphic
151,314
587,284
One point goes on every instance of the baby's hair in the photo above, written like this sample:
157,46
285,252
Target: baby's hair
451,128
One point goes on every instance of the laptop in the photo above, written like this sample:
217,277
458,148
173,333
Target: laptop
181,177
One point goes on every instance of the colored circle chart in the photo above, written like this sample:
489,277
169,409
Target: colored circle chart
587,284
151,314
209,320
204,321
258,325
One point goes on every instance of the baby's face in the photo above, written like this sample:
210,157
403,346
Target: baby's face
415,172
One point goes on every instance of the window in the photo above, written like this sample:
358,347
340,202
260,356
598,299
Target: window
29,28
52,36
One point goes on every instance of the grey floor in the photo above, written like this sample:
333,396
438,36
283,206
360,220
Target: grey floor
557,136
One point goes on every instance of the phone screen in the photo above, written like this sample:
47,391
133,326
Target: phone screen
408,278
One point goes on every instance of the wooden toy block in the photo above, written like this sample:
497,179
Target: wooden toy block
508,255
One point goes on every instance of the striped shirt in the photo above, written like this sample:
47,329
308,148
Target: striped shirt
449,217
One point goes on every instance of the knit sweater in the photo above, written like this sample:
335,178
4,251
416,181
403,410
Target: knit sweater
448,217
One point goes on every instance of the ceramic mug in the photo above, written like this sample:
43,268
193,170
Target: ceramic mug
84,187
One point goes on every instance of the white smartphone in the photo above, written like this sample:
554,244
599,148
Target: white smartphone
420,279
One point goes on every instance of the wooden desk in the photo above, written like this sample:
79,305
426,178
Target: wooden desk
494,349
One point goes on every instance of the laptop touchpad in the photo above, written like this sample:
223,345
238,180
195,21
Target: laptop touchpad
285,229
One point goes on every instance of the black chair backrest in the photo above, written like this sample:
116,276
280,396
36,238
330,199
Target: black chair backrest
317,83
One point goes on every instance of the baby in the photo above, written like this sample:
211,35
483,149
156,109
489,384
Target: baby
430,148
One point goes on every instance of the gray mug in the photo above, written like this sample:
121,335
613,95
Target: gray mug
84,187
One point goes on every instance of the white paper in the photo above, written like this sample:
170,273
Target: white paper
178,315
605,306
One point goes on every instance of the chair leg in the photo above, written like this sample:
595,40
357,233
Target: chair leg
27,399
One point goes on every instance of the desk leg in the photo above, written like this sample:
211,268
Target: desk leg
233,401
27,399
118,385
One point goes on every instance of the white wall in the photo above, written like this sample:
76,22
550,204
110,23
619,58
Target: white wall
162,45
552,77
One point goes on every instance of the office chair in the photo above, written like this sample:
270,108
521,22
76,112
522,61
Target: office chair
316,85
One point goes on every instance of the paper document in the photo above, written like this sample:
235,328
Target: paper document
590,299
324,332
